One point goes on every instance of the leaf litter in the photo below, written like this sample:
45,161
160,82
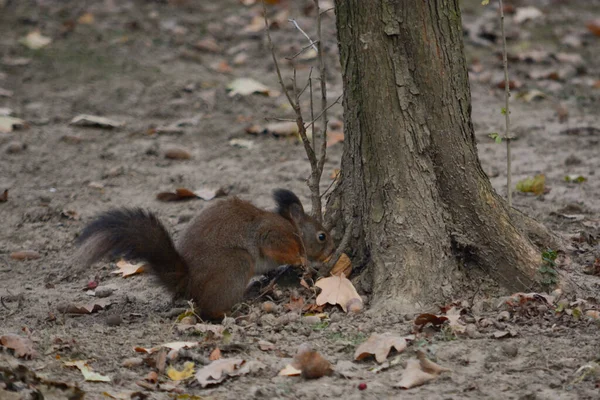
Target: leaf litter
338,290
87,372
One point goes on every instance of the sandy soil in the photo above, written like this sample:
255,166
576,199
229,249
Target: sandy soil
137,63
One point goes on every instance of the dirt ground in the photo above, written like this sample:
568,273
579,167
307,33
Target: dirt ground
139,63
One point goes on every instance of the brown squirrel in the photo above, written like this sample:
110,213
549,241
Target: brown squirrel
219,252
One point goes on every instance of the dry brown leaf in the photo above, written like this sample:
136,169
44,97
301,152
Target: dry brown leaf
22,346
208,44
336,290
86,19
296,303
25,255
178,195
217,371
127,269
290,370
281,129
170,345
380,346
453,315
413,375
432,319
419,371
429,366
342,266
4,196
96,305
215,354
95,121
176,153
265,346
334,138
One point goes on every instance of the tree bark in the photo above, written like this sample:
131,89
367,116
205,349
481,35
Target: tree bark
411,180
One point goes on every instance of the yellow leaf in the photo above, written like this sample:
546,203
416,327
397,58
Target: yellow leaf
535,185
87,372
185,373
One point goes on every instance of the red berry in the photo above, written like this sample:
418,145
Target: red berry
362,386
92,285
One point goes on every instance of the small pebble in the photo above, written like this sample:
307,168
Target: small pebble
15,147
104,291
510,349
114,320
132,362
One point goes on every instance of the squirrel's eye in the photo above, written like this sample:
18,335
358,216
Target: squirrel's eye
321,236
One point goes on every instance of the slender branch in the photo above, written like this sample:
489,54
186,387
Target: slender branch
341,247
322,111
507,135
293,21
324,108
302,50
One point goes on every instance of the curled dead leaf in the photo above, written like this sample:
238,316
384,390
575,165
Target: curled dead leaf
22,346
176,153
215,354
342,266
219,370
127,269
380,345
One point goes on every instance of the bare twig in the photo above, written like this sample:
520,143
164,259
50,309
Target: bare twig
312,44
341,247
293,21
507,135
324,108
322,111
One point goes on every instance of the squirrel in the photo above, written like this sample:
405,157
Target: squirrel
218,253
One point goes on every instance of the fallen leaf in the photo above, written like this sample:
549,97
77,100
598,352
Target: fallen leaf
594,314
524,14
424,319
95,121
531,95
24,254
265,346
152,377
218,370
210,193
35,40
8,124
215,354
176,153
336,290
290,370
96,305
413,375
208,44
334,138
248,86
456,325
127,269
278,129
6,92
504,334
380,346
185,373
257,24
4,196
296,303
86,19
88,373
242,143
419,371
178,195
342,266
171,345
512,84
22,346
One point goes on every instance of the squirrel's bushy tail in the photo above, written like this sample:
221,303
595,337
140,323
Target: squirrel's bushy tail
134,234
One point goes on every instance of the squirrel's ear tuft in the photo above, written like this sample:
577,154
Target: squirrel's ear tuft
288,204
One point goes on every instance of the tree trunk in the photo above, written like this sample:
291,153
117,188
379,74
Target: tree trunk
411,182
